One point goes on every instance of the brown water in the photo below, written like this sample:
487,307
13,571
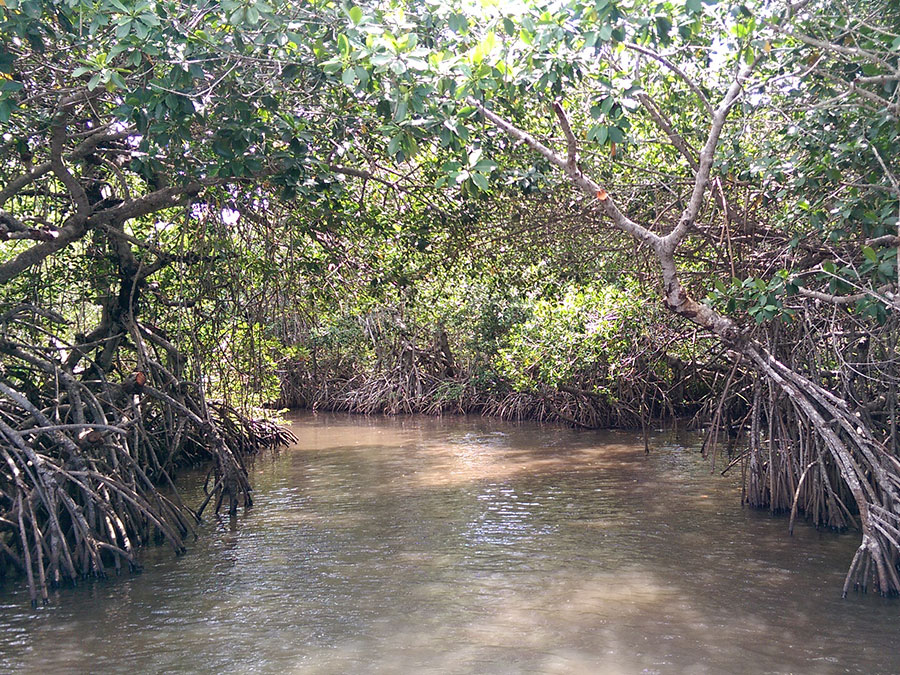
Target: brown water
473,546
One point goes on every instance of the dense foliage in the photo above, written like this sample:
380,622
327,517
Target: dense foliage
596,212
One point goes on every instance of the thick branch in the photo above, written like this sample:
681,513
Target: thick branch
854,88
13,228
359,173
882,294
73,231
88,146
855,53
707,154
675,297
57,141
79,225
155,201
571,141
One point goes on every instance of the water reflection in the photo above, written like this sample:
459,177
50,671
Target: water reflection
469,546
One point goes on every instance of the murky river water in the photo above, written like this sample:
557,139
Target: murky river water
473,546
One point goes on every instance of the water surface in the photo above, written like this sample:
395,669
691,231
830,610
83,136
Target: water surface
473,546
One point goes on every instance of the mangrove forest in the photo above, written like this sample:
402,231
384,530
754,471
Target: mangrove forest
585,214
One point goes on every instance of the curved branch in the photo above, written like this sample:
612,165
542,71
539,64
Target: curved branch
73,231
57,141
79,224
619,219
677,139
675,69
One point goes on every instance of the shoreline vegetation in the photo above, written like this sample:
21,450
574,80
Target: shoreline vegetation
430,382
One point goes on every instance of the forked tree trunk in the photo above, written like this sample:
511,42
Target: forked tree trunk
870,472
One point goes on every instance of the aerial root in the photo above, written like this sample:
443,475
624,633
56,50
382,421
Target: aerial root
86,469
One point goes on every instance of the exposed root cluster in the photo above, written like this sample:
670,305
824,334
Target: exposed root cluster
828,453
87,461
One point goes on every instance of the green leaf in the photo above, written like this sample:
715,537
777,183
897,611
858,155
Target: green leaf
694,6
10,86
458,23
663,26
348,77
419,65
616,135
870,254
331,67
362,75
117,80
356,15
410,147
481,181
343,45
400,112
599,133
394,144
221,148
150,19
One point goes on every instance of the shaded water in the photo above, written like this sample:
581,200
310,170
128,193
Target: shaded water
473,546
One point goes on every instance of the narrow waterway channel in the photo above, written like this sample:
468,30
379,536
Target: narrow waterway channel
473,546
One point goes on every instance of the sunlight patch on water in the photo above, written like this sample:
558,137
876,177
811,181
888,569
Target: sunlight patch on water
561,625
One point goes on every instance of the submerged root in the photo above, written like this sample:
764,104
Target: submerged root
811,452
87,465
876,562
